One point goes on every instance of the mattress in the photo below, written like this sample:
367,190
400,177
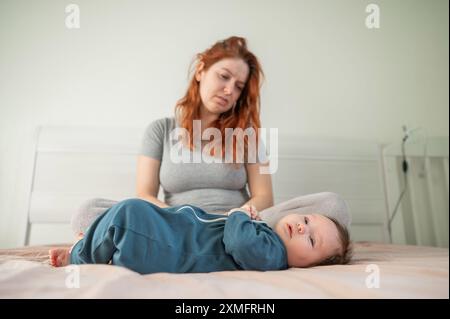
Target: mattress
376,271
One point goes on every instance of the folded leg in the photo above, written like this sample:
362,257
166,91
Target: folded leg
88,212
325,203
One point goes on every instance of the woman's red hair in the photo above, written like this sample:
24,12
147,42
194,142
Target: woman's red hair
246,112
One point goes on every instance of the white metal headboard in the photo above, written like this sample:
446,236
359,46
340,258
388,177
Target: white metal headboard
73,164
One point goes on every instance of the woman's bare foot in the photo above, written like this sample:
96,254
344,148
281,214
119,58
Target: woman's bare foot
59,257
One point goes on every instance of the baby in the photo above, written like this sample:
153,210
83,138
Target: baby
146,238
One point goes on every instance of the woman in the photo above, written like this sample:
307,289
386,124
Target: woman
224,92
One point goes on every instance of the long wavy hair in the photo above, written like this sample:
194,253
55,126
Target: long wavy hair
245,114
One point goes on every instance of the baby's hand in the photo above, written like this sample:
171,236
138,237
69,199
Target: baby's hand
250,210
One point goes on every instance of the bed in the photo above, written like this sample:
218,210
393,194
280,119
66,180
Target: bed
100,162
377,271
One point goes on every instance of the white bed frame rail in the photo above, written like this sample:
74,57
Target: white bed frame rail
423,216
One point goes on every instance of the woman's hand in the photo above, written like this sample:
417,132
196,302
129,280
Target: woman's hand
250,210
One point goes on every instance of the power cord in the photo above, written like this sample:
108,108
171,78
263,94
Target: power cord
405,183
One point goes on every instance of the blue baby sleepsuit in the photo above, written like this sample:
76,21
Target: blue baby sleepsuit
146,238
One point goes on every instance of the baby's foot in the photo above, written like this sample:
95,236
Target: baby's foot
59,257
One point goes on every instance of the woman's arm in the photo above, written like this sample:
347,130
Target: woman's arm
147,180
260,186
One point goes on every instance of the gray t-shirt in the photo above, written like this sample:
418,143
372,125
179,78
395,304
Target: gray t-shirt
214,187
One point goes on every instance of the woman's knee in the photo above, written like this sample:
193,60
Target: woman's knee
335,198
88,211
331,197
338,207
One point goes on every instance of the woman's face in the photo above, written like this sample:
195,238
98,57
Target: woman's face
222,84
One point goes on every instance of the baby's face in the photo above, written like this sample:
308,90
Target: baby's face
309,239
